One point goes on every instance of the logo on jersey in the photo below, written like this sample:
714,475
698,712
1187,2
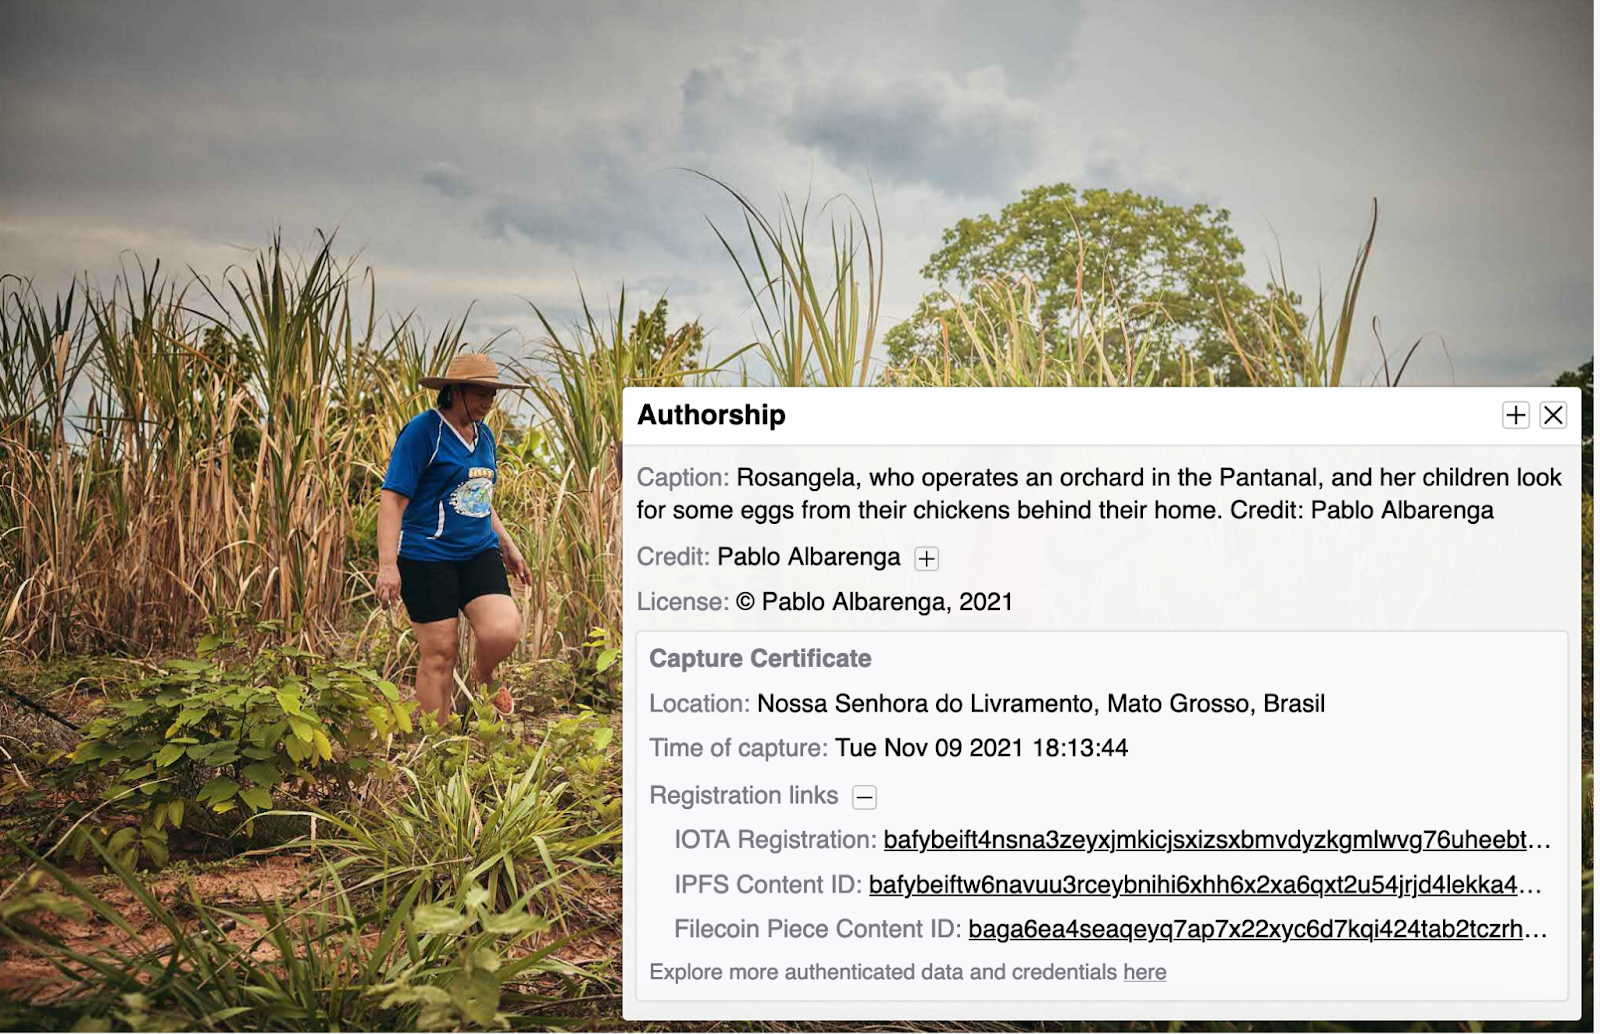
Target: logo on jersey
473,496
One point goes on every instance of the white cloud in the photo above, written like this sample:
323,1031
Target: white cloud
512,149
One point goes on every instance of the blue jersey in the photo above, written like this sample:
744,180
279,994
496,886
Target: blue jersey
450,485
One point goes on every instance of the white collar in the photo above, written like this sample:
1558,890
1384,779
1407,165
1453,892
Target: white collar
471,446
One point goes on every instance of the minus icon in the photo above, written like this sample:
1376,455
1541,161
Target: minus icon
866,797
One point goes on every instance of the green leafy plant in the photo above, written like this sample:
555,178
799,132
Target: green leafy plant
493,751
578,747
600,639
512,839
489,808
597,673
223,732
331,960
466,992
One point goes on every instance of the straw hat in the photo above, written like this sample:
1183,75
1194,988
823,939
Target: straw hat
470,368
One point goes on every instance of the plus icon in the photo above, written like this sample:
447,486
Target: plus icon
927,558
1515,415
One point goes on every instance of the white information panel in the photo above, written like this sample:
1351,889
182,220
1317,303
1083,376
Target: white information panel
1101,704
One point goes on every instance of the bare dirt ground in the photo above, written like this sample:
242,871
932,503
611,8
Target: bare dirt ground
593,919
25,975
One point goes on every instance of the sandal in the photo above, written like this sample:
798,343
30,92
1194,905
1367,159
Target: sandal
501,700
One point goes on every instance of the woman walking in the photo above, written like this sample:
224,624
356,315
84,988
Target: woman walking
441,546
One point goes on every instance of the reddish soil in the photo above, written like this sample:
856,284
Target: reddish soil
26,975
593,914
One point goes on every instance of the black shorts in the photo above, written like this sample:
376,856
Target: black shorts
437,590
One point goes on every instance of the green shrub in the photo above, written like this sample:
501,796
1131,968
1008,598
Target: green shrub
577,749
222,733
599,676
332,961
489,809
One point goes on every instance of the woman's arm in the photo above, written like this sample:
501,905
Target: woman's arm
515,565
391,508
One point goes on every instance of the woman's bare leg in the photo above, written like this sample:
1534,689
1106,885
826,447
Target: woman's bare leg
437,666
497,626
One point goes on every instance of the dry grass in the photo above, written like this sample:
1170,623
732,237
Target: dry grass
160,467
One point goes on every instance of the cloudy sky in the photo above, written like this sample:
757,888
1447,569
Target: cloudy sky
489,152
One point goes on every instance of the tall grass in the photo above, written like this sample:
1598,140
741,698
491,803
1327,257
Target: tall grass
161,465
819,324
42,506
1311,353
578,377
184,466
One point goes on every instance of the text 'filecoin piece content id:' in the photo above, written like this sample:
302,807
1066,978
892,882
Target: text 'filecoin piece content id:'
1101,704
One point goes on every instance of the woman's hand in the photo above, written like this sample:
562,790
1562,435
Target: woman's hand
388,589
517,567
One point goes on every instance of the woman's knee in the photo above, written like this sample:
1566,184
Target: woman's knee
500,638
439,643
437,657
496,624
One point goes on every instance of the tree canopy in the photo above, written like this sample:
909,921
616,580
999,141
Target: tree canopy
1583,379
1161,277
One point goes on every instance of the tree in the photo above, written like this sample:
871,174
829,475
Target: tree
1158,276
1583,379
